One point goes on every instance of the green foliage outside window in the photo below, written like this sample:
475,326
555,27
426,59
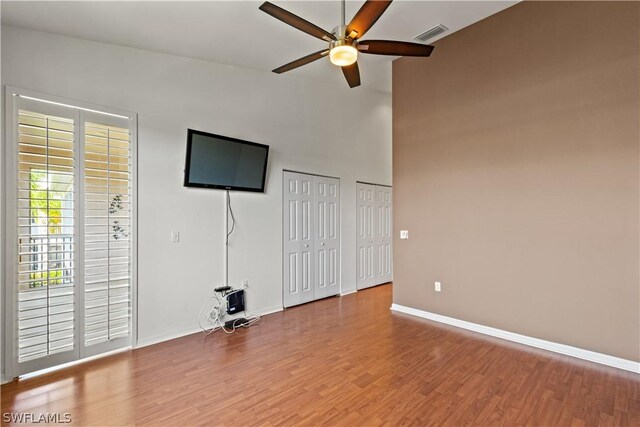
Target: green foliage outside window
45,210
46,277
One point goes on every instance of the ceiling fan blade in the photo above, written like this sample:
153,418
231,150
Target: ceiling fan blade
352,74
301,61
364,19
295,21
394,48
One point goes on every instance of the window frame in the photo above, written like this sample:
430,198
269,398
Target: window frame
9,216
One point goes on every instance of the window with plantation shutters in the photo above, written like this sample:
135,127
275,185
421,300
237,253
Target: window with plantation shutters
107,228
70,269
46,234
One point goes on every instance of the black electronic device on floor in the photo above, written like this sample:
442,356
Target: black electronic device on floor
235,301
236,323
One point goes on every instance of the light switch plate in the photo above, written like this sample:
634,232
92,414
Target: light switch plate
175,236
404,234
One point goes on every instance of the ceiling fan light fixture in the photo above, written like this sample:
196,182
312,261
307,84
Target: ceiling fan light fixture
343,53
344,41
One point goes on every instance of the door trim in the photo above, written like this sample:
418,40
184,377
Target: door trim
373,183
311,174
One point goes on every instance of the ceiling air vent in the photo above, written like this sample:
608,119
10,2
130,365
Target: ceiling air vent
431,33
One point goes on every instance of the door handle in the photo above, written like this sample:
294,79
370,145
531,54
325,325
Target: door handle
322,244
306,246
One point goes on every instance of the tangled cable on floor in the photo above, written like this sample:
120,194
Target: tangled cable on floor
213,319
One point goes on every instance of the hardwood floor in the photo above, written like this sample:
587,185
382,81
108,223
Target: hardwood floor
339,361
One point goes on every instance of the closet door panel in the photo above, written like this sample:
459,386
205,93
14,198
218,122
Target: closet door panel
327,237
298,227
365,222
384,260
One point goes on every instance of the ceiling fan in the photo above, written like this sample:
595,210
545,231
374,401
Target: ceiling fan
344,40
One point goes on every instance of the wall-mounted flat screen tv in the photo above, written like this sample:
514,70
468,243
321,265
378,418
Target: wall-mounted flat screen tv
221,162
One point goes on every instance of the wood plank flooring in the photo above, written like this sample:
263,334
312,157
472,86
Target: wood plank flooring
340,361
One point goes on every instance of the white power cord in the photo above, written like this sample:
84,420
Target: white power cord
213,320
209,324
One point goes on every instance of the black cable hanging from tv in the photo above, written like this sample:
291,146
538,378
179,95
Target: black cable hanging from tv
233,218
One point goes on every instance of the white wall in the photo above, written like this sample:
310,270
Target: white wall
311,127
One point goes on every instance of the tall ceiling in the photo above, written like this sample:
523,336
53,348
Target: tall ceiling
237,33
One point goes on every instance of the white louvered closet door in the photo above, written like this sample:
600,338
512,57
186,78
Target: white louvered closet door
69,264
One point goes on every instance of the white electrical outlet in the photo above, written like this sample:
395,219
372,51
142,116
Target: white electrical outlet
404,234
438,287
245,283
175,236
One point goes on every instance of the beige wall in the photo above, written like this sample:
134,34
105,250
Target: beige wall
516,171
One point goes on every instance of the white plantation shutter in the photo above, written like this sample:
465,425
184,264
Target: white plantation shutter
70,270
46,235
107,198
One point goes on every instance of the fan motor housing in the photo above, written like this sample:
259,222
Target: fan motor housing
340,32
346,41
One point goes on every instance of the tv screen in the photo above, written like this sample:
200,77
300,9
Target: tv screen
215,161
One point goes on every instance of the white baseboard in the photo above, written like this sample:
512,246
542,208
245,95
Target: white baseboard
271,310
351,291
592,356
162,338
